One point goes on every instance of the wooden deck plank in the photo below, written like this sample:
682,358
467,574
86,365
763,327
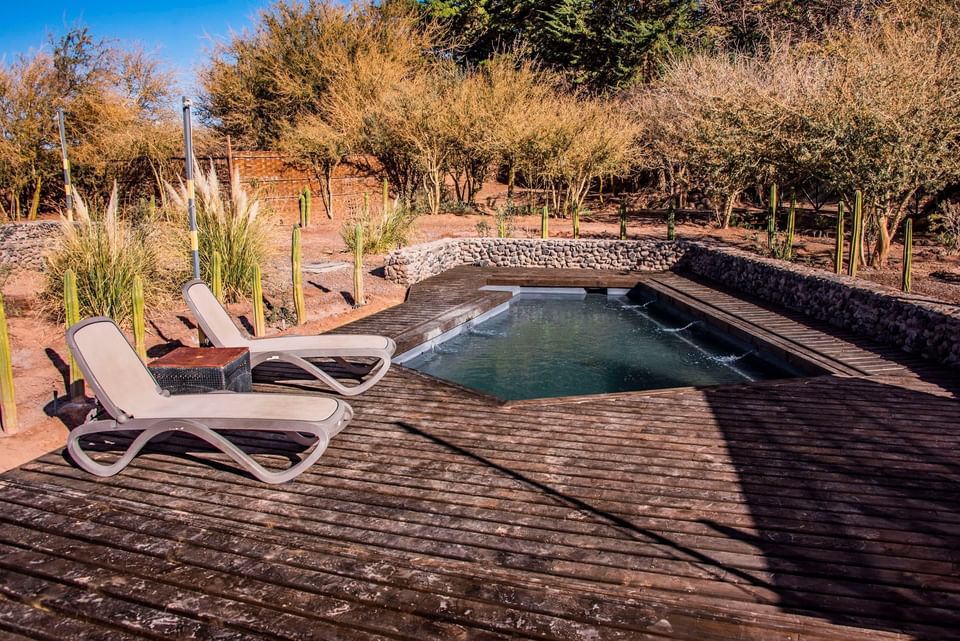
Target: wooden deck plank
820,508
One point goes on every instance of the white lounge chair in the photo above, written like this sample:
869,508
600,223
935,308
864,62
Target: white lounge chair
130,395
296,350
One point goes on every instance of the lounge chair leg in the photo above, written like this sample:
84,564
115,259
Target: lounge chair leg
377,371
301,433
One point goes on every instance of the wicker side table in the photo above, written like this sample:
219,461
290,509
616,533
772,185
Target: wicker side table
192,370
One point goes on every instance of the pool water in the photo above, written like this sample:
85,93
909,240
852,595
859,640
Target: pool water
547,346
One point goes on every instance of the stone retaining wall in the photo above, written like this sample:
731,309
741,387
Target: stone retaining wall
413,264
24,244
913,323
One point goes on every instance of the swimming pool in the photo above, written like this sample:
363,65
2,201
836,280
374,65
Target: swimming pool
549,345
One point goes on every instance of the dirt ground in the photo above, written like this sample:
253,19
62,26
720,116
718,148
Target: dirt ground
39,352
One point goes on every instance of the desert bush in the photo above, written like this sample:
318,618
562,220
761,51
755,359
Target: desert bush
106,254
118,122
946,224
231,226
870,105
381,233
575,142
315,78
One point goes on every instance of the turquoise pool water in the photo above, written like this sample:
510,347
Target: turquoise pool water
545,346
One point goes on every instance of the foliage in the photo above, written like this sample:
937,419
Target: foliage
388,231
871,105
118,123
606,43
231,227
106,254
946,223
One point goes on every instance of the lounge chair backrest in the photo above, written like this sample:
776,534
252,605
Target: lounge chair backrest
111,367
212,317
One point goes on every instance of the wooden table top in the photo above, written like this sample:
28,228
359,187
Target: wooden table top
186,357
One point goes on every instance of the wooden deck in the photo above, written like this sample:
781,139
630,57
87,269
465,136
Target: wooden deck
814,508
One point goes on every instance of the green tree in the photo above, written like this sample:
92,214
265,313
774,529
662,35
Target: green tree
599,43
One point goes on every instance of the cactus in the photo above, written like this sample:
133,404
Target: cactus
838,247
671,222
296,268
856,234
772,221
908,256
545,223
306,207
623,221
71,308
576,222
358,296
787,252
501,223
259,324
216,275
8,401
139,319
386,196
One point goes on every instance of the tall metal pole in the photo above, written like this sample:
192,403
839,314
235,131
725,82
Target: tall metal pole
191,197
67,190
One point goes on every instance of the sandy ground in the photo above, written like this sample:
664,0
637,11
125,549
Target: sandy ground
39,348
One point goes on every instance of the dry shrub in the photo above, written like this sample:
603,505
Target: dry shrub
871,105
118,122
574,142
232,227
381,233
106,254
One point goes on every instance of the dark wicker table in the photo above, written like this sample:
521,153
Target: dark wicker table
191,370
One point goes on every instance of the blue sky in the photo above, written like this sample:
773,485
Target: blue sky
177,31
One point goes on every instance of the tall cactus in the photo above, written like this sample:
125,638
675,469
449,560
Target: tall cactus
358,296
296,268
576,222
8,401
623,221
671,221
306,207
907,281
791,229
259,322
838,246
772,220
856,235
139,319
545,223
71,308
216,275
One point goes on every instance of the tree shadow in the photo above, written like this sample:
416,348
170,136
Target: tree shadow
852,485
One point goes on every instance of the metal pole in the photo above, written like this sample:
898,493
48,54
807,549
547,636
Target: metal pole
66,165
191,197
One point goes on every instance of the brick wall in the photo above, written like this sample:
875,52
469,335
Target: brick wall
280,183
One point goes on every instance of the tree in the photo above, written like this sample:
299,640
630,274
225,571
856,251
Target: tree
118,125
598,44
